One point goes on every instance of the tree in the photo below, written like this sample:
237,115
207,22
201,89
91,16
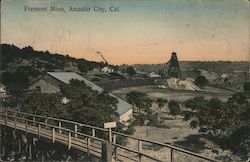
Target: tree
195,103
153,119
238,142
246,87
209,116
206,113
139,100
227,121
235,128
38,62
116,68
174,107
89,106
201,81
85,105
130,70
161,102
15,80
44,104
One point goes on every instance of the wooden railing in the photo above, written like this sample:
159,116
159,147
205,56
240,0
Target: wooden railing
90,138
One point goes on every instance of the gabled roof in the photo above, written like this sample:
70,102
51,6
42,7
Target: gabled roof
65,77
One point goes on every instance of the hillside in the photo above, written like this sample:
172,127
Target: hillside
215,66
21,65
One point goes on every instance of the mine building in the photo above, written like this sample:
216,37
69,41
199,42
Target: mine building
51,81
107,69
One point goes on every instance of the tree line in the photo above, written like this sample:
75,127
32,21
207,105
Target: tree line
228,122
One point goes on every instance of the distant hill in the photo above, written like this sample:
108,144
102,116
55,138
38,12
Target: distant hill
215,66
20,65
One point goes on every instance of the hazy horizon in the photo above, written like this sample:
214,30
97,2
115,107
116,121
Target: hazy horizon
142,32
167,58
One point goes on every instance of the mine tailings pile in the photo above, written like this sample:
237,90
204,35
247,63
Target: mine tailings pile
171,71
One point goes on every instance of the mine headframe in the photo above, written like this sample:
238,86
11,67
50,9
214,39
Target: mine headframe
171,68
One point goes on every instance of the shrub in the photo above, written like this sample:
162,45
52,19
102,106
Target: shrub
174,107
161,102
246,87
201,81
130,70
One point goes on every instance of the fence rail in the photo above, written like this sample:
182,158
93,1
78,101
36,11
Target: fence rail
89,138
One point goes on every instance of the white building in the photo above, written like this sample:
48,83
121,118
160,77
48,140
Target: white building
224,76
107,69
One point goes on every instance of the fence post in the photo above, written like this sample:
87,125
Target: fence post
6,117
34,121
140,157
93,132
69,140
114,138
88,146
15,120
171,155
26,126
106,152
30,151
60,126
39,130
46,122
116,154
53,135
139,145
110,135
19,147
75,130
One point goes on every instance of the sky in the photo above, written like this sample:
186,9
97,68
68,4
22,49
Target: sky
142,31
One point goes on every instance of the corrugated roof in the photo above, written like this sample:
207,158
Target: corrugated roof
122,106
65,77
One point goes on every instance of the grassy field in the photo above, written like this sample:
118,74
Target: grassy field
179,95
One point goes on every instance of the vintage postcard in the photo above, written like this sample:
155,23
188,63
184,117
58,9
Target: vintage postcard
125,80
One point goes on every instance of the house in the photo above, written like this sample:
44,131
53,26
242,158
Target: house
223,76
50,82
65,100
107,69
